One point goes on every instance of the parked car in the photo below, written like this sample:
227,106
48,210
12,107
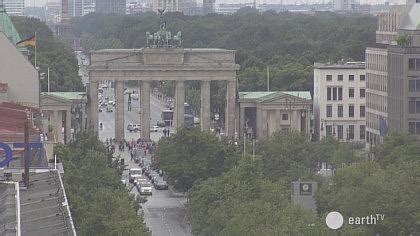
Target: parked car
109,109
133,127
160,185
140,179
145,188
100,109
133,173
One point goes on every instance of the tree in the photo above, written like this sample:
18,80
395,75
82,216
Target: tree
51,53
191,155
388,186
100,203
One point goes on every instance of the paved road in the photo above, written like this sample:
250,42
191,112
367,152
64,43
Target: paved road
130,117
164,211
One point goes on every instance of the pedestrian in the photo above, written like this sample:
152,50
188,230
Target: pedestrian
132,156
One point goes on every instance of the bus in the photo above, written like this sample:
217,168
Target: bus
167,117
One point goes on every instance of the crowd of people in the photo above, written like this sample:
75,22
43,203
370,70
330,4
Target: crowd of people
133,146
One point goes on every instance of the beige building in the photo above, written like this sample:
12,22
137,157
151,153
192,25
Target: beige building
263,113
392,72
19,79
64,114
339,101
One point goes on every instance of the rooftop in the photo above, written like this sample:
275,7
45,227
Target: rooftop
341,65
7,27
43,206
67,95
263,96
412,19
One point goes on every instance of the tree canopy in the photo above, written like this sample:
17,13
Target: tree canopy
286,42
99,202
52,53
190,155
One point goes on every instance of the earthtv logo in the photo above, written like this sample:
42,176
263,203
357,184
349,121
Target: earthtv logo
335,220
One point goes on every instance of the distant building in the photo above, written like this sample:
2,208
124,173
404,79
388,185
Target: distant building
343,5
88,7
263,113
208,6
167,5
110,6
229,9
14,7
75,8
392,74
339,101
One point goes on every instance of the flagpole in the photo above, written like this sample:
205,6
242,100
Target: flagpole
35,49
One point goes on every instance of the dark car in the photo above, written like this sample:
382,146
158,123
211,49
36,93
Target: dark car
160,185
160,124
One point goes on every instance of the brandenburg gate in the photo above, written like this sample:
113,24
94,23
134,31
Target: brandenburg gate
163,59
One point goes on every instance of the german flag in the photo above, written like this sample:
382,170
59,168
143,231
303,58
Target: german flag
27,42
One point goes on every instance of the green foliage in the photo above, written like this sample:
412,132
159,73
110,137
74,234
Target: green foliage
52,53
288,43
191,155
389,186
292,155
243,202
100,203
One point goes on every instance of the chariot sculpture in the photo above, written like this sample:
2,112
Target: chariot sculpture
163,38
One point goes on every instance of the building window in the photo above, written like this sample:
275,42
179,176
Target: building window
340,78
411,64
362,111
350,134
412,127
362,77
362,132
351,77
418,64
335,94
285,116
411,106
340,132
351,110
340,111
328,130
412,85
351,92
328,94
417,106
329,77
417,127
362,93
340,93
329,111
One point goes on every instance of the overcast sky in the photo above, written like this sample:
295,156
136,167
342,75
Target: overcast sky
31,3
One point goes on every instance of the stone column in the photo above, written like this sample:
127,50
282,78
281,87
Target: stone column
93,105
230,108
179,104
119,110
60,137
259,123
67,129
205,105
264,119
55,126
145,110
241,121
278,120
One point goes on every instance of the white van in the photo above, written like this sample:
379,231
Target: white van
133,127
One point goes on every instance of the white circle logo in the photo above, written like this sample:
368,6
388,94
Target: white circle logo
334,220
305,187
